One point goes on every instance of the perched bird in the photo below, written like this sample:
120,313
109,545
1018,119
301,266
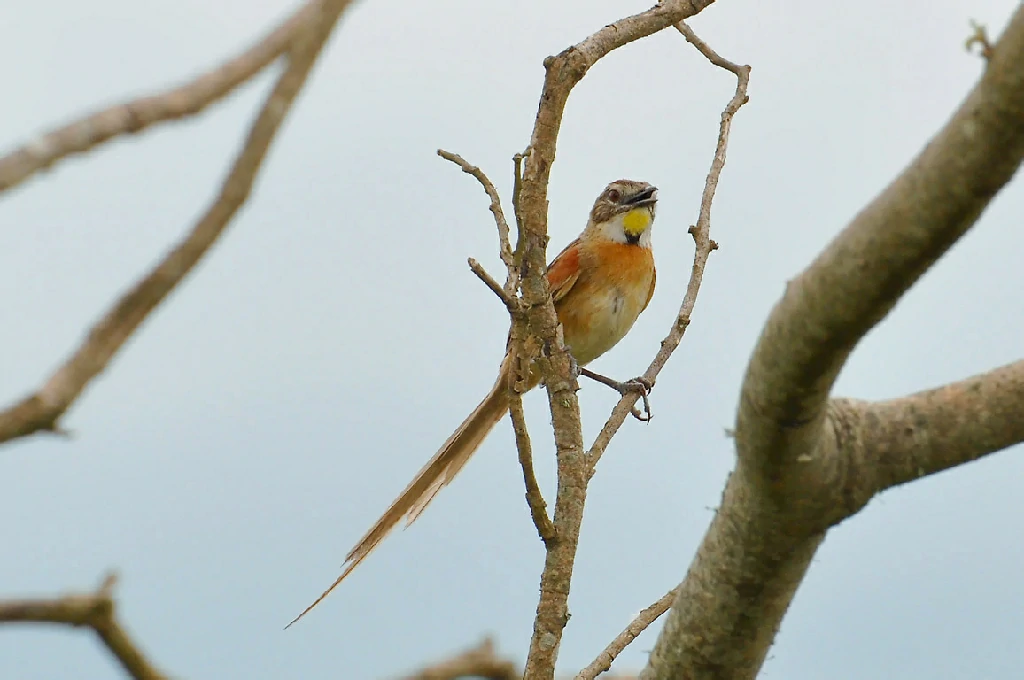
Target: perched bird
600,283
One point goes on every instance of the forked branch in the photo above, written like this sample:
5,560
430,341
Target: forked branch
40,411
507,294
797,473
96,611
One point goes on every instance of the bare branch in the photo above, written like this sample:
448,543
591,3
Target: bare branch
702,240
40,411
900,440
95,611
563,72
478,662
517,187
505,247
510,302
787,488
644,619
858,278
534,498
136,115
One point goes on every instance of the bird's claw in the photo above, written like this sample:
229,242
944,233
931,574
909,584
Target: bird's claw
638,384
643,386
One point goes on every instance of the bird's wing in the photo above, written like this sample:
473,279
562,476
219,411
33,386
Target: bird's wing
650,293
564,270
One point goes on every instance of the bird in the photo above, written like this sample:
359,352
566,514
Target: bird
600,283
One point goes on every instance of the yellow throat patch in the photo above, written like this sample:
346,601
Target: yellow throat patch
635,221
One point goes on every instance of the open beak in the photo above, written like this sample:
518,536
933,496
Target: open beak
648,196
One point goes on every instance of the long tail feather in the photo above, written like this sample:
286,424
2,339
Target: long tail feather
435,475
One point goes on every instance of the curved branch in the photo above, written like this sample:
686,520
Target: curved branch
701,233
854,283
135,115
41,411
95,611
787,487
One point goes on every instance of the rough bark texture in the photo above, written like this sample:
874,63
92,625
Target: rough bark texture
803,463
901,440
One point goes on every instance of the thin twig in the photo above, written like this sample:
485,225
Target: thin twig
505,248
534,498
95,611
510,302
512,283
135,115
979,38
702,239
40,411
644,619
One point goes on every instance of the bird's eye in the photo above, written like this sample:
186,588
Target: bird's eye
614,195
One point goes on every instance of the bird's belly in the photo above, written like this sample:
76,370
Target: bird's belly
597,319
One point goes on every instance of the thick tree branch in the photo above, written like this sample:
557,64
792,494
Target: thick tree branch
41,411
735,593
854,283
95,611
788,485
136,115
900,440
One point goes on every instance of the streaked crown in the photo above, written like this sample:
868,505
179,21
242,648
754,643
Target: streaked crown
625,208
621,196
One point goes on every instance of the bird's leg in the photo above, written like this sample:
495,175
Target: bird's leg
639,384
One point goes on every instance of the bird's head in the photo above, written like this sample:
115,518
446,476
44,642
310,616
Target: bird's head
624,212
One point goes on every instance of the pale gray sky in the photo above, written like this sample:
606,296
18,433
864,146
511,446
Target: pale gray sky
257,424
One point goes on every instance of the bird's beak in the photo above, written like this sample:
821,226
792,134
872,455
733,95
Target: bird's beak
648,196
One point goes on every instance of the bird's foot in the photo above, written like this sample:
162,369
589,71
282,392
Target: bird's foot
636,385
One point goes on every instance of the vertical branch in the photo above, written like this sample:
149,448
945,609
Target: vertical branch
534,498
563,72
